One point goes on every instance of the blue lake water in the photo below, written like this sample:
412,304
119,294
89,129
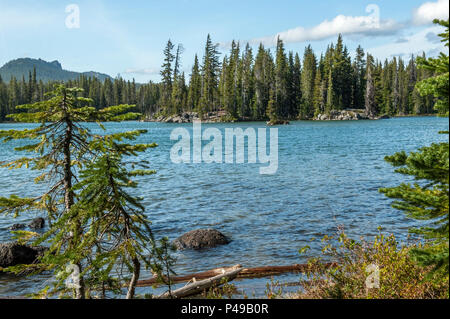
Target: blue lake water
328,174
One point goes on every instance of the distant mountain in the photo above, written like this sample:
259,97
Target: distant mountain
45,71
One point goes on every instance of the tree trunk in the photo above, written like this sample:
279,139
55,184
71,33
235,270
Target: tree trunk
68,193
134,278
266,271
199,286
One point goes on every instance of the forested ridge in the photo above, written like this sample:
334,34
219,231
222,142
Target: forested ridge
45,71
252,84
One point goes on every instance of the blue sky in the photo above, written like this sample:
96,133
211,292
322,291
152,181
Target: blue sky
128,37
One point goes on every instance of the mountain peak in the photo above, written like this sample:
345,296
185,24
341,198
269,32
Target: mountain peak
56,64
45,71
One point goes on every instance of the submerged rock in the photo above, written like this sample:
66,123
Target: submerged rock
12,254
201,238
278,122
37,223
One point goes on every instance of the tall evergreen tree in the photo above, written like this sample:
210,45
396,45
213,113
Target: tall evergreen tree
319,94
247,82
167,76
281,82
359,82
307,82
230,82
195,86
263,72
395,95
210,72
370,103
177,84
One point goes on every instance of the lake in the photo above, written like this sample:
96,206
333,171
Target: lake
328,174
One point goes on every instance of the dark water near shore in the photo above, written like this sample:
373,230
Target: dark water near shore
329,174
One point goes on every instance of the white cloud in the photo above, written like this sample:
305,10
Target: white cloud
417,43
347,25
431,10
142,71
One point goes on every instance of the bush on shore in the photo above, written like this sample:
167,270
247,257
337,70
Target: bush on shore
360,263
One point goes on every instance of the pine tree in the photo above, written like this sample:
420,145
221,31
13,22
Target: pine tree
370,103
195,86
331,96
437,85
247,82
177,84
341,72
428,200
3,100
319,101
359,83
271,111
63,145
222,83
263,72
230,82
296,87
281,85
403,87
307,80
210,71
395,95
167,76
114,216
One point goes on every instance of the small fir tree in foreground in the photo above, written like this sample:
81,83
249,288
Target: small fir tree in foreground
96,226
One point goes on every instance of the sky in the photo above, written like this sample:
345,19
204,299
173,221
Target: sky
128,37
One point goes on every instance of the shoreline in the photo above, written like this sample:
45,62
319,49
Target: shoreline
221,117
209,121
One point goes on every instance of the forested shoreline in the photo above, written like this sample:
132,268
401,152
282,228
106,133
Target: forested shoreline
246,85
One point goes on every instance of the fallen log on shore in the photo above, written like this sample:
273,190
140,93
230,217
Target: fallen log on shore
256,272
198,286
187,278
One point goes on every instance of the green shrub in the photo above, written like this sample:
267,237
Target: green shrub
400,277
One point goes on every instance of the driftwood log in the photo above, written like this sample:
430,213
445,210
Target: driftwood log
256,272
198,286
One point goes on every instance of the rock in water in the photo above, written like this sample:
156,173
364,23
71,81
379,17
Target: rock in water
201,238
17,227
12,254
37,223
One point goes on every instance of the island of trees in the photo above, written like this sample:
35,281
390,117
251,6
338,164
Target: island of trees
247,85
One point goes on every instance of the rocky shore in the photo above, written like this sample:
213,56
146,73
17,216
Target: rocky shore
221,116
346,115
189,117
